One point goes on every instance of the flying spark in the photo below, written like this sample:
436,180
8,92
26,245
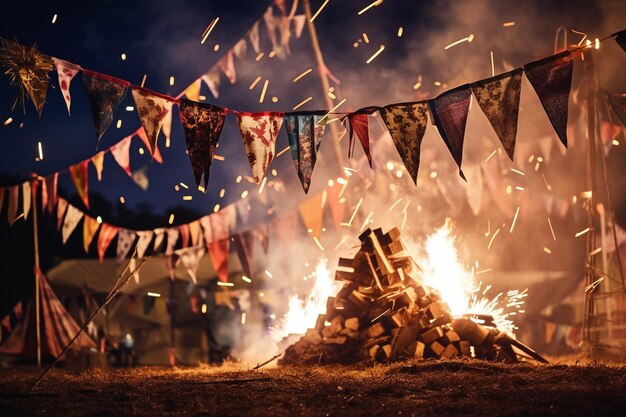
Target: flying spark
382,48
468,39
319,11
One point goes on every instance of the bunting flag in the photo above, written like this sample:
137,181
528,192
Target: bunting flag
195,232
98,162
337,208
407,123
145,237
312,213
120,152
72,217
90,227
61,208
305,136
170,263
212,79
125,240
552,78
107,233
218,250
620,38
192,92
67,71
203,125
263,234
184,234
227,65
190,257
14,195
450,111
78,173
240,50
132,265
254,37
27,69
498,98
156,154
243,207
244,246
298,25
284,27
474,188
105,93
26,198
205,222
159,234
284,229
140,177
259,132
152,108
359,127
172,238
167,130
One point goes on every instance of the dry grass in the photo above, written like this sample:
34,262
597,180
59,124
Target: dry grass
427,388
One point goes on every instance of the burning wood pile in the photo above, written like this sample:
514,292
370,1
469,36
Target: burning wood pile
384,313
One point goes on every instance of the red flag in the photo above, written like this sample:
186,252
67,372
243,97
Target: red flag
107,233
218,250
120,152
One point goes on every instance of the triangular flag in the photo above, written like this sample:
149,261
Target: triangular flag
552,79
474,188
270,25
312,213
172,238
298,24
145,237
107,233
51,188
167,129
132,265
192,92
78,173
407,123
359,127
263,234
244,246
170,264
72,218
221,224
156,154
284,27
125,240
14,195
450,111
190,257
61,208
120,152
337,208
239,50
218,250
184,234
254,37
498,97
259,132
281,6
203,125
159,235
243,207
98,163
205,222
212,79
284,229
26,197
152,108
305,135
140,177
620,38
195,231
90,227
227,65
66,71
105,93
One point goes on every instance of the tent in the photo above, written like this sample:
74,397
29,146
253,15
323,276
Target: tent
56,324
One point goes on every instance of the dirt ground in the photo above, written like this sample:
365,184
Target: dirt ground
426,388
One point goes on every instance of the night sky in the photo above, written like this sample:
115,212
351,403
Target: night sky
162,39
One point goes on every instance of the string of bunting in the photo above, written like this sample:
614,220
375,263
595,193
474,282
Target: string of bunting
498,98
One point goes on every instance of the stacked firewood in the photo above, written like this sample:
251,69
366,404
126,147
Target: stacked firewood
384,313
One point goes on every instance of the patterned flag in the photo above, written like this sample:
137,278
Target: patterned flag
98,163
407,123
552,78
305,135
120,152
450,111
78,173
66,71
72,218
240,49
90,227
203,125
159,235
152,108
156,154
259,132
498,97
107,233
125,240
172,239
145,237
190,257
359,127
244,246
105,93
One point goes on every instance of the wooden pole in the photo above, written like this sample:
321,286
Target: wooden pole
321,66
172,310
36,245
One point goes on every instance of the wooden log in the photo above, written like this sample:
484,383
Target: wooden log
470,331
373,331
450,337
436,348
313,336
361,301
352,323
431,335
319,323
401,338
436,310
337,340
449,352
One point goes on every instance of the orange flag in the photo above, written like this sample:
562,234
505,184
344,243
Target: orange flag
78,173
90,227
107,233
312,212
